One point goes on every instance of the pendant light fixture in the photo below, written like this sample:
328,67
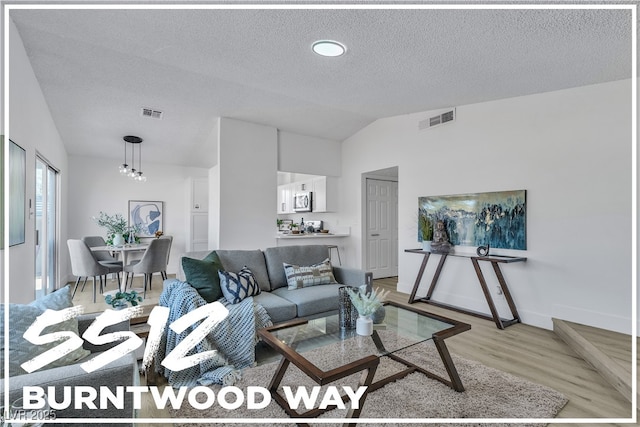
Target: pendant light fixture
132,173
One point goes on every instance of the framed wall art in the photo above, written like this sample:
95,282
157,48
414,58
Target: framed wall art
146,216
498,219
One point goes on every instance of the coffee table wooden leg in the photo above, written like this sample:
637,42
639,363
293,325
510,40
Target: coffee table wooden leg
456,382
366,379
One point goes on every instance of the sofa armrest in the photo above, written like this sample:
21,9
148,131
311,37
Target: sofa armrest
119,373
352,276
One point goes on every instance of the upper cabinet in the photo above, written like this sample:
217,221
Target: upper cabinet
325,194
200,195
324,189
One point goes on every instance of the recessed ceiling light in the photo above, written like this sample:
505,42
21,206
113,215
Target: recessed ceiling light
328,48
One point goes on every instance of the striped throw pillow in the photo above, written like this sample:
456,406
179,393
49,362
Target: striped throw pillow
305,276
238,286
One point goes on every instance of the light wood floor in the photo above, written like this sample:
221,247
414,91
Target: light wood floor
531,353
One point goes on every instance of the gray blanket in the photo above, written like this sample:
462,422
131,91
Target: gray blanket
234,338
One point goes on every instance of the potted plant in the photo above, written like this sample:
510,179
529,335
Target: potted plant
294,228
116,227
425,230
120,300
366,303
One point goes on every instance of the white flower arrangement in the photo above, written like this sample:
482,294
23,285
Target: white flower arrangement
367,303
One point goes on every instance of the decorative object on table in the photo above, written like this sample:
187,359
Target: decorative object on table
121,300
494,218
158,234
366,303
440,243
294,228
425,229
483,250
146,216
285,225
347,313
278,225
130,171
117,229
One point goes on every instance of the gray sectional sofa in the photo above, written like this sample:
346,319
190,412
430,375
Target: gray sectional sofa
122,372
281,303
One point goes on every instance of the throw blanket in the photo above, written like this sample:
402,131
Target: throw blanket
234,338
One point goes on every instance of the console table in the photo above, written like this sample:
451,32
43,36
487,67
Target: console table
495,261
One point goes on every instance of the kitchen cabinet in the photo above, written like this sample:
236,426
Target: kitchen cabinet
199,195
285,198
325,194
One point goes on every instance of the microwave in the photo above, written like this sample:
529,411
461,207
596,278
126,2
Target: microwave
303,201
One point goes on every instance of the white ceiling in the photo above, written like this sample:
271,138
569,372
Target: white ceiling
97,68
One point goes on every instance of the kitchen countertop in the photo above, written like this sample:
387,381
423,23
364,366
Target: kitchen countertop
310,235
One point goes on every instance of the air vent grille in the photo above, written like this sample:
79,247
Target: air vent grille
151,113
440,119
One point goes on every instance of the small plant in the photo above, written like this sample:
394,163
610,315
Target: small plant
158,234
367,303
425,226
120,299
115,224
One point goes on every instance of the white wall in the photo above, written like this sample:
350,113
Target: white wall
31,126
95,185
571,151
246,187
308,155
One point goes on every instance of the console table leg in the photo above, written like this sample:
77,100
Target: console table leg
436,275
412,297
505,290
487,294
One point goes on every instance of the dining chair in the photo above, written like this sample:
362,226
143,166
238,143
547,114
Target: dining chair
84,264
103,257
163,273
154,260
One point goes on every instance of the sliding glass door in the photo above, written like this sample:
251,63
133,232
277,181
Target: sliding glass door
46,209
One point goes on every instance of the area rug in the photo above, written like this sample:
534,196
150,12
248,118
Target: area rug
489,393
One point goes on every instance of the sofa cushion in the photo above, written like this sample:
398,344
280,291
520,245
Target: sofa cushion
235,260
279,309
203,275
21,317
304,276
297,255
312,300
237,286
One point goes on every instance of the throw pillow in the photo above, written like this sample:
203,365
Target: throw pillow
237,286
21,317
305,276
202,274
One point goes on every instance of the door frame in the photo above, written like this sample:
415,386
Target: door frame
56,245
381,175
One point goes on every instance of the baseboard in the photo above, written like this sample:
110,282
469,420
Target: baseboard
607,367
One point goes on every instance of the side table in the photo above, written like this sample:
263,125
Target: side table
495,261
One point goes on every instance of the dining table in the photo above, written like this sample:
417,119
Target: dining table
124,250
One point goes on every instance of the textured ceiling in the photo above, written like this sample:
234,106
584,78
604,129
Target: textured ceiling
97,68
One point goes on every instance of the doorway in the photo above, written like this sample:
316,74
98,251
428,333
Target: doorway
380,251
46,224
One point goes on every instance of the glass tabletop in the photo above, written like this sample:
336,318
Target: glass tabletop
326,345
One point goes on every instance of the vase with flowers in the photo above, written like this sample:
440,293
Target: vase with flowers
366,303
118,232
425,229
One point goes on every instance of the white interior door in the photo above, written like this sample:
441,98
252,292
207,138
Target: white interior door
382,228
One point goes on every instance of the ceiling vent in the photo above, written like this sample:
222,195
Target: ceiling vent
440,119
151,113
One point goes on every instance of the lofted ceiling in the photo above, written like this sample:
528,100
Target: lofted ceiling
97,68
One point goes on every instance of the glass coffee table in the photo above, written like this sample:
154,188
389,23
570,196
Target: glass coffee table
348,353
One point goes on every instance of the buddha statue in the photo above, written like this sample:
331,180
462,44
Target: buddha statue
440,243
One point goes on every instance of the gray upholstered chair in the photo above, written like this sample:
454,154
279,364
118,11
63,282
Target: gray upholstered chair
154,260
84,264
103,257
163,273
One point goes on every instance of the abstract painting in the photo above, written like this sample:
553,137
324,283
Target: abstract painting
146,216
495,218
